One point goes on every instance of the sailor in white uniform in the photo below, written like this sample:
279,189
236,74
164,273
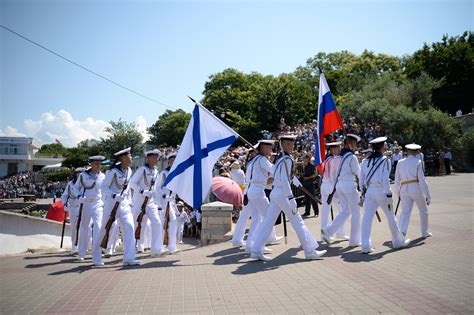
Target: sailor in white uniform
375,182
88,188
348,169
116,189
143,183
164,198
71,204
327,186
282,199
411,187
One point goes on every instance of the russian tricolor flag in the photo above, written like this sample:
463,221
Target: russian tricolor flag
329,119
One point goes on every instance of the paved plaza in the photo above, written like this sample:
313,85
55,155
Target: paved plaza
433,275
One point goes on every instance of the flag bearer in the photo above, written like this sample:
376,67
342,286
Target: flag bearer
348,169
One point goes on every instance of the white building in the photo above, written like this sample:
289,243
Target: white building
17,155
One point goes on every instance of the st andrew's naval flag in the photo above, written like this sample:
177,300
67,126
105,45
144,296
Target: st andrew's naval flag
206,139
329,120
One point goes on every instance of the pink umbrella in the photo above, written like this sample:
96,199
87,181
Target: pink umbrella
228,191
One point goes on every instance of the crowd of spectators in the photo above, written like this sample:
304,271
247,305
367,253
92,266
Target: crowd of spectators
25,183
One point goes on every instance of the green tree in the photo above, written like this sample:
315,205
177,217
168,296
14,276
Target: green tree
52,149
75,157
121,135
169,129
451,60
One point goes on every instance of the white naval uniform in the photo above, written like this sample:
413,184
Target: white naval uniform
89,189
327,186
71,204
140,182
282,199
259,170
112,187
163,196
183,219
238,176
348,168
376,197
411,187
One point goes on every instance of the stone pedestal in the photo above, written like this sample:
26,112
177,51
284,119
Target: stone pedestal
216,222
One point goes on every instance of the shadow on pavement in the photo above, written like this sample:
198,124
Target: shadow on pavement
357,256
47,264
153,264
286,258
60,255
79,269
226,252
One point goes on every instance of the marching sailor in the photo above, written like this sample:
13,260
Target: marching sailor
282,199
164,198
244,215
116,189
258,175
71,204
327,187
143,184
345,189
411,187
375,182
89,189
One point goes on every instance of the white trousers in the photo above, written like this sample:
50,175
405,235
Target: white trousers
326,190
124,219
239,231
277,202
179,236
258,204
73,213
407,200
374,199
172,226
91,211
348,199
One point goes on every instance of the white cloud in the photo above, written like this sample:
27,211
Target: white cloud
63,127
69,131
11,132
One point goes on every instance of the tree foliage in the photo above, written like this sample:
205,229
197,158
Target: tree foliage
52,149
169,129
451,60
121,135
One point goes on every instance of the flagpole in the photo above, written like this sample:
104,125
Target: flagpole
220,121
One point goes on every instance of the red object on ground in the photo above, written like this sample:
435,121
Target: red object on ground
56,211
228,191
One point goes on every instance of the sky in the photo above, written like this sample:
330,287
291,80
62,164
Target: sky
167,50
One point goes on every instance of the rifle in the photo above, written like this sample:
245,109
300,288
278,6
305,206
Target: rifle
167,224
111,220
332,214
285,231
138,230
79,216
64,221
398,203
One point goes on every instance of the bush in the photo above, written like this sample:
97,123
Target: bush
60,176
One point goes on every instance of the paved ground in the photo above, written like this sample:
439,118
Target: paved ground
433,275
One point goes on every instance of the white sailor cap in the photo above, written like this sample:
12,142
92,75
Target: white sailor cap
351,135
79,169
378,140
152,152
123,152
171,155
366,151
333,144
288,138
96,158
413,146
262,142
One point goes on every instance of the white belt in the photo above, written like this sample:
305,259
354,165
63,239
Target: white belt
371,185
346,180
90,199
257,185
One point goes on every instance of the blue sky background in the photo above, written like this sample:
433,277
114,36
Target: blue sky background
167,50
